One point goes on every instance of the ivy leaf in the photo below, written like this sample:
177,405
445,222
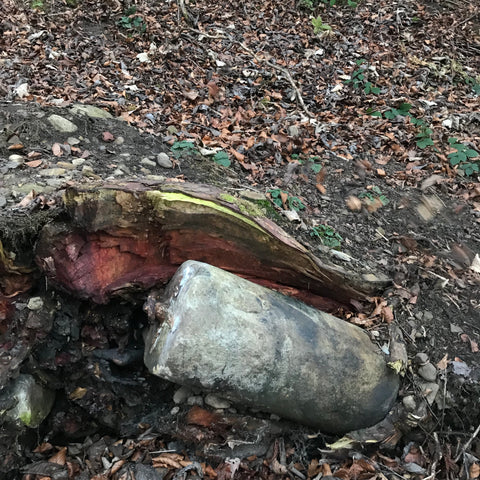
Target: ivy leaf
470,153
424,143
221,158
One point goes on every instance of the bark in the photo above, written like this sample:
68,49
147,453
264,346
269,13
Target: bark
123,237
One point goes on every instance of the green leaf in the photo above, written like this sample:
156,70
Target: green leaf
405,107
375,90
373,113
389,115
222,159
452,140
470,153
424,142
316,167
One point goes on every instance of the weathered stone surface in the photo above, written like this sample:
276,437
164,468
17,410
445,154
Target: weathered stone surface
90,111
247,343
31,402
62,124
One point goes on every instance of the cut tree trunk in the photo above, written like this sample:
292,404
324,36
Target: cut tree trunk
123,237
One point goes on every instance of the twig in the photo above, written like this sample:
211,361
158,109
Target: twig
186,14
283,70
467,445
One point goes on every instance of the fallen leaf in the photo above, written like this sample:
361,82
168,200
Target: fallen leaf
284,198
381,172
354,203
57,150
107,137
474,470
191,94
473,345
321,188
34,163
15,146
27,199
239,156
475,266
60,457
443,363
78,393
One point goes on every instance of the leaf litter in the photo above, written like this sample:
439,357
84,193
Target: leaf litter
252,82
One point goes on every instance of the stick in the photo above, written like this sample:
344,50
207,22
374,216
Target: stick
467,445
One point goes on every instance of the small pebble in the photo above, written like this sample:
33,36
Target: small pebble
35,303
429,390
174,410
16,158
428,372
147,162
119,141
427,316
181,395
164,160
409,403
52,172
73,141
78,161
3,201
216,402
421,358
195,400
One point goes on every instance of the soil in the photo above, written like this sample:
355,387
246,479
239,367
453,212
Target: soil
415,224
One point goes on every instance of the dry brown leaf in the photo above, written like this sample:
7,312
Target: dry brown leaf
200,416
321,188
27,199
284,198
60,457
34,163
387,314
239,156
15,146
44,448
191,94
354,203
167,460
474,470
381,172
443,363
78,393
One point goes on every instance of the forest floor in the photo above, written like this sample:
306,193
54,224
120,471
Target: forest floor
361,123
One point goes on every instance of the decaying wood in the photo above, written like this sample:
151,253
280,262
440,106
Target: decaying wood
135,235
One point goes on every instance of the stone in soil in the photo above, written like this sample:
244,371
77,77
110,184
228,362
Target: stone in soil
268,351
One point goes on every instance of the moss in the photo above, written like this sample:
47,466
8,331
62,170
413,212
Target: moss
160,200
254,208
26,418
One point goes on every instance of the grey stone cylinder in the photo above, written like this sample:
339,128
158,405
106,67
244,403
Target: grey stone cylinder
258,347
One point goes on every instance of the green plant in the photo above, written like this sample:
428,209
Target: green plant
183,148
130,21
423,137
222,159
308,4
293,203
461,157
373,194
311,161
319,26
37,4
358,79
327,235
